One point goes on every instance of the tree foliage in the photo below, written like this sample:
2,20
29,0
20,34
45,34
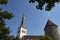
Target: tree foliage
5,31
49,4
46,38
3,2
5,15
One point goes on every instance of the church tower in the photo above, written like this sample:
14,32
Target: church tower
51,30
22,31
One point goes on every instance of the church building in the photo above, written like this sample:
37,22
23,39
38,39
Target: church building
22,31
50,29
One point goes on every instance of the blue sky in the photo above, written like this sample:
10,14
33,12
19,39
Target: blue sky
35,20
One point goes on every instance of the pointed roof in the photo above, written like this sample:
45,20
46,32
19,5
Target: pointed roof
50,22
22,22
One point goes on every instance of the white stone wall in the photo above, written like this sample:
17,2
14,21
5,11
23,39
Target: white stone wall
23,32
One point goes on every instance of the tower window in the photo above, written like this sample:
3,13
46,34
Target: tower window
23,31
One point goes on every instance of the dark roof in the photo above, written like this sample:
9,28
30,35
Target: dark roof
50,23
22,22
32,37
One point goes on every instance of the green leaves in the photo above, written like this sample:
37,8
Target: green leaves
5,31
46,38
49,4
6,15
3,2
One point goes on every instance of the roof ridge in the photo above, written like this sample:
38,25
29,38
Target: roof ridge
49,22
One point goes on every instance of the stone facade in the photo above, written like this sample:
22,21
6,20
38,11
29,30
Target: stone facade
51,30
